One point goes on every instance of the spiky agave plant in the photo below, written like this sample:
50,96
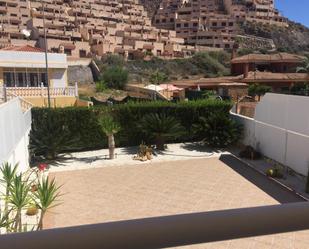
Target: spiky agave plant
8,174
19,198
46,197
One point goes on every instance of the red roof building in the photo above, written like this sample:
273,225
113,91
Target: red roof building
25,48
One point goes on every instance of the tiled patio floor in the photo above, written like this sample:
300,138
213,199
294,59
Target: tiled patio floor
128,192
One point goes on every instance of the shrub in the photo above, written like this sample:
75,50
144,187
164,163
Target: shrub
82,123
258,90
160,127
218,130
157,78
115,77
111,60
48,138
250,153
100,86
274,172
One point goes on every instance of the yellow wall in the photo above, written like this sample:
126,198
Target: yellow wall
57,101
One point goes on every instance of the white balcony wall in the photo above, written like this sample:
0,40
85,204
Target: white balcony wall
31,60
14,134
280,130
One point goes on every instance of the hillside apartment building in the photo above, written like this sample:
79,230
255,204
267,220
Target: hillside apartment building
82,28
214,23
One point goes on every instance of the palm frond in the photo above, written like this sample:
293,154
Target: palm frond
108,125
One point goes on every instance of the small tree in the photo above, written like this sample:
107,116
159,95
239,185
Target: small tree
258,90
46,197
115,77
19,197
110,128
157,77
160,127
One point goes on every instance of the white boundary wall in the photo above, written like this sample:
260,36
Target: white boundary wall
14,134
280,130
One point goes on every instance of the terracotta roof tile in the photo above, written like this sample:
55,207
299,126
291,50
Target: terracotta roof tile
25,48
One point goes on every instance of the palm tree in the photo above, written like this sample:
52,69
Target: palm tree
160,127
110,128
45,197
20,198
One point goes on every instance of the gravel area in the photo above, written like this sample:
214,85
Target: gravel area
124,156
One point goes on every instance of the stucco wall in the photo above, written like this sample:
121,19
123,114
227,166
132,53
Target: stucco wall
55,102
80,74
280,130
14,134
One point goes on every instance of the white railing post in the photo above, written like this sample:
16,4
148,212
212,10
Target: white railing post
42,89
4,93
76,89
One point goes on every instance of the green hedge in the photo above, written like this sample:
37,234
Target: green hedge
82,121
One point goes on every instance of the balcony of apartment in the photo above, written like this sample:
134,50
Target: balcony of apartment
11,3
3,9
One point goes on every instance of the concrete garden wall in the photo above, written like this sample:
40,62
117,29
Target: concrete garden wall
14,134
280,130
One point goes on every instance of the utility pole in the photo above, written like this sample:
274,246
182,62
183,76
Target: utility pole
46,50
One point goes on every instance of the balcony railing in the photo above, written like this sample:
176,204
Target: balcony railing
169,231
42,91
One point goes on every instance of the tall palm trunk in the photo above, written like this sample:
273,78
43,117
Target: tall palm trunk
111,146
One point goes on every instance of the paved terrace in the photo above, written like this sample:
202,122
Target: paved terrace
135,191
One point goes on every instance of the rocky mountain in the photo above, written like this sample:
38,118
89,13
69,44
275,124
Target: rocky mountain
294,38
150,6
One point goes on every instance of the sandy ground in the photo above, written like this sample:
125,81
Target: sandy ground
102,194
174,152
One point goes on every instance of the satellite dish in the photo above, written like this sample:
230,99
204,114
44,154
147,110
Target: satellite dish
26,32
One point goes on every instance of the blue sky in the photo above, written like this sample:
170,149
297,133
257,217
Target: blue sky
296,10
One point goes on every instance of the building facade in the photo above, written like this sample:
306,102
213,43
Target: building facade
82,28
23,74
261,11
214,23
